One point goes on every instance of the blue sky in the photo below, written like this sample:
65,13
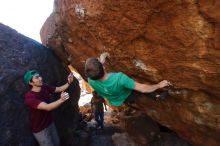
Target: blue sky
26,16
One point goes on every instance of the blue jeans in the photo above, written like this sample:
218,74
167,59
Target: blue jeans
99,118
48,136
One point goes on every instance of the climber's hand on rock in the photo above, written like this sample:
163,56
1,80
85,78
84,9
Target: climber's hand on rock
64,96
164,83
70,78
103,57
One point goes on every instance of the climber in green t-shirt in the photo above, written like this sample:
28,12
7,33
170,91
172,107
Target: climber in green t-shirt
117,87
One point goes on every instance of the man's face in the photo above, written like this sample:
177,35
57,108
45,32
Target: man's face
37,80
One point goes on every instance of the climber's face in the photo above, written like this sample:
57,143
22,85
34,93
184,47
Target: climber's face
36,80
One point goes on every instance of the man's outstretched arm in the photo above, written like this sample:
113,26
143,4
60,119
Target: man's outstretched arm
103,57
65,86
50,106
145,88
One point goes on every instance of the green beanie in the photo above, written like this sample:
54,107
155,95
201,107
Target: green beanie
29,75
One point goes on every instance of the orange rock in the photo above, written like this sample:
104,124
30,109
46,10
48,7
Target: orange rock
150,41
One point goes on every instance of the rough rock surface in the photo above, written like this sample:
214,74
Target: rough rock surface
150,40
146,132
19,54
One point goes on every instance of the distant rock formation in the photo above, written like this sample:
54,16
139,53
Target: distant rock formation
17,55
150,40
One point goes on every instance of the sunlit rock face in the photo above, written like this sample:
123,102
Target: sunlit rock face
150,41
19,54
210,10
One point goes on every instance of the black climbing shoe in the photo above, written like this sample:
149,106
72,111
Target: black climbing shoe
162,95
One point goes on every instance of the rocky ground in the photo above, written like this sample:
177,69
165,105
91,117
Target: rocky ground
111,135
125,127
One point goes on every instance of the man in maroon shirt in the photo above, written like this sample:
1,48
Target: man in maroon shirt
38,100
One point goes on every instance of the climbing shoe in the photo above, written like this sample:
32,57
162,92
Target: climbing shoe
162,95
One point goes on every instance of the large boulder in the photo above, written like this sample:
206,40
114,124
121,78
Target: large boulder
144,131
150,41
19,54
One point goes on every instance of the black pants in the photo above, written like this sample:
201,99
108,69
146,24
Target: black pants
134,94
99,118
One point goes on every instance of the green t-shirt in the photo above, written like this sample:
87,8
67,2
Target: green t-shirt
116,88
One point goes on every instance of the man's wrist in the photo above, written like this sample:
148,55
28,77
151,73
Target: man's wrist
61,100
158,86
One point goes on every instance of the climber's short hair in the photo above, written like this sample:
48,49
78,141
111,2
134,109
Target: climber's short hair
94,69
